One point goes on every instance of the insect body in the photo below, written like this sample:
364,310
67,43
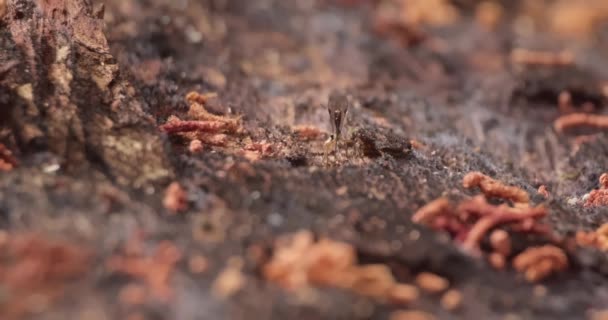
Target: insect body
337,106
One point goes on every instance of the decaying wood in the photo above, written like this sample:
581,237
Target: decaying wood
61,91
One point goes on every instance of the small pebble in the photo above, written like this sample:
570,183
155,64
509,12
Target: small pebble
275,219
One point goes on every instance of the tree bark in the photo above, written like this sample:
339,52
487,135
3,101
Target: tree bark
61,91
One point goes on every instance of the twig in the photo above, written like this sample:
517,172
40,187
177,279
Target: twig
178,126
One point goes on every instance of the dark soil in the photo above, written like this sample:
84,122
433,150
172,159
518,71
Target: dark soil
275,62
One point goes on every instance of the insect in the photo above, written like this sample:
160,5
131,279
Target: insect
337,106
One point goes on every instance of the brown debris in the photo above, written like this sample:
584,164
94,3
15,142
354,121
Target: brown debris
205,128
202,121
540,291
387,26
576,19
411,315
470,221
263,148
148,70
7,160
488,14
308,133
538,263
154,271
501,242
544,58
493,216
564,102
451,300
431,12
198,264
495,189
598,197
403,294
176,198
373,280
33,267
599,314
342,191
576,120
497,260
434,208
299,262
218,140
136,316
198,112
199,98
288,267
195,146
586,239
417,145
597,238
602,237
4,166
542,190
255,151
604,181
214,77
405,20
175,125
431,283
230,280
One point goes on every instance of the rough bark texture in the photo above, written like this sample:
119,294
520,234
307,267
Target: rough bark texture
63,92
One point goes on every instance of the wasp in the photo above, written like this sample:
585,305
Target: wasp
338,105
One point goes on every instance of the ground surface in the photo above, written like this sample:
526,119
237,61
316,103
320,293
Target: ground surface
457,93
